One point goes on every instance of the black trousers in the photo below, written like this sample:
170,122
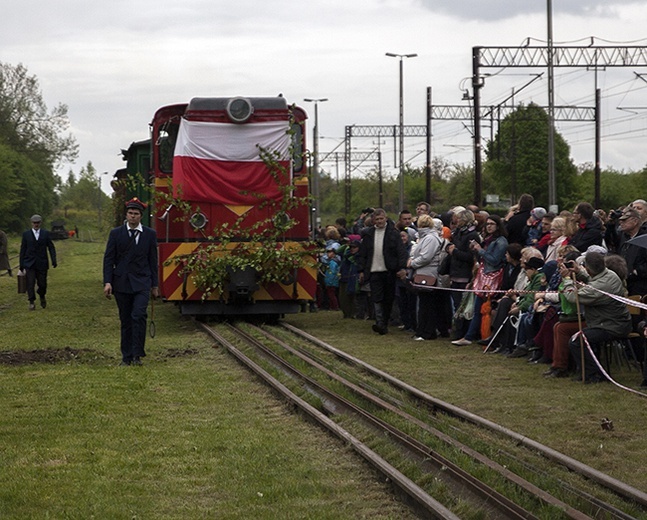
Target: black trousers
383,291
133,316
36,277
595,337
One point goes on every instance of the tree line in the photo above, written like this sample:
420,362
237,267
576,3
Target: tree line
35,142
516,162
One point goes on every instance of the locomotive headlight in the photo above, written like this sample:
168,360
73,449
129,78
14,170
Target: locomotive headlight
239,110
198,221
281,219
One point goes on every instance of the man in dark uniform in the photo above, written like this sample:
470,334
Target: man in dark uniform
130,272
33,260
382,258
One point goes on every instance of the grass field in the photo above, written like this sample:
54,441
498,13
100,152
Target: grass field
193,435
189,435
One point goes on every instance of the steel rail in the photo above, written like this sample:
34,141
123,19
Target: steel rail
617,486
462,480
415,492
595,503
503,503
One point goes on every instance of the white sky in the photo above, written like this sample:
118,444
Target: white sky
114,63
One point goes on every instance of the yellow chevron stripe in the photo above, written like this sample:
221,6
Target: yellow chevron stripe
262,294
239,210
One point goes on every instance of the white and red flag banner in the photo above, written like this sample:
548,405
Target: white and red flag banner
221,162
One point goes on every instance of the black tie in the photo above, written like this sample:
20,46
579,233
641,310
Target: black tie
132,233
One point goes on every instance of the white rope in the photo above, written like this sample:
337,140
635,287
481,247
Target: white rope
601,368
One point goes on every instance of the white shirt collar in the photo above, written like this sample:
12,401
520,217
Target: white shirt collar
138,228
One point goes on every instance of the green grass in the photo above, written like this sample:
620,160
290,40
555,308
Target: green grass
193,435
189,435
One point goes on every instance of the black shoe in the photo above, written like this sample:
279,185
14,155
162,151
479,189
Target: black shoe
535,356
556,372
43,302
124,364
518,352
137,362
644,383
596,378
380,329
32,306
501,350
543,360
484,341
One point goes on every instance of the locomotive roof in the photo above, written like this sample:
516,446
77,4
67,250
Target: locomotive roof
220,103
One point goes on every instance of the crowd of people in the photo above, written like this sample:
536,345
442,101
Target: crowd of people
532,285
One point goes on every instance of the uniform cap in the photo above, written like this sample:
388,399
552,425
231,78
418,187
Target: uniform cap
36,218
135,203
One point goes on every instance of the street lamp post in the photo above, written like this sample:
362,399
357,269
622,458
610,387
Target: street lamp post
315,164
401,131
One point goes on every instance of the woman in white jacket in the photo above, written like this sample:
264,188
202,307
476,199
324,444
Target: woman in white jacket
557,238
434,311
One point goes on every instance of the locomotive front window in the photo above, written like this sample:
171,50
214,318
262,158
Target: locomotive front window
166,146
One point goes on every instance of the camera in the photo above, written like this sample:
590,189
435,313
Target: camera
615,214
368,210
570,264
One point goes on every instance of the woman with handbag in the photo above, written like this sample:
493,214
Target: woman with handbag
433,305
461,262
491,257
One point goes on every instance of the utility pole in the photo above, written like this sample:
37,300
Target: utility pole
428,153
550,56
401,127
315,165
552,186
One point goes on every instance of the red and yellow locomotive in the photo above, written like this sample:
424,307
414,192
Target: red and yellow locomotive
230,184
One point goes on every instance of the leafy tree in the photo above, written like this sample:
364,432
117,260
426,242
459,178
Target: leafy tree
32,144
460,188
83,194
26,189
617,188
25,123
517,158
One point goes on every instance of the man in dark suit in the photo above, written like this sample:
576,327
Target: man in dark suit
382,258
34,261
130,272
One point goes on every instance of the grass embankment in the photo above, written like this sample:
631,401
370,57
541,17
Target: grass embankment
189,435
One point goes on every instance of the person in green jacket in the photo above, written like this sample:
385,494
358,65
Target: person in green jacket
606,317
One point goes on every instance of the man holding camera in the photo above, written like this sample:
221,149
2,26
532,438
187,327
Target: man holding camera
606,317
360,224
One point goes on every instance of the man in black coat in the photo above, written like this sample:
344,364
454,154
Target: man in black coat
382,257
130,272
635,256
35,244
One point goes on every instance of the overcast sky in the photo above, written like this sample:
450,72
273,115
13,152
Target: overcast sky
114,63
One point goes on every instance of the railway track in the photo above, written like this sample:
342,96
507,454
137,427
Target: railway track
447,462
